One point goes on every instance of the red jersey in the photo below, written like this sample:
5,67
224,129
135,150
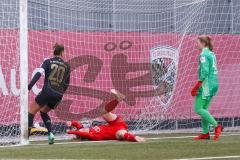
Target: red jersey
108,131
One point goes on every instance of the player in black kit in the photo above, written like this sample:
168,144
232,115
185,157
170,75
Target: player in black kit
57,78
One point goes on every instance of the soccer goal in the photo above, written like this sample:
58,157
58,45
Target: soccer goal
144,49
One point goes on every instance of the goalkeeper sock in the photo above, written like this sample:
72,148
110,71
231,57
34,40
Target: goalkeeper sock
47,121
111,105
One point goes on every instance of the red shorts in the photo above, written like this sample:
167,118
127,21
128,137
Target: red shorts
108,131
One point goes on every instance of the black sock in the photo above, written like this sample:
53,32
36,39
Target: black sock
47,121
30,120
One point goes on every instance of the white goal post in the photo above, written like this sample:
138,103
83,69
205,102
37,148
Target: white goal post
23,49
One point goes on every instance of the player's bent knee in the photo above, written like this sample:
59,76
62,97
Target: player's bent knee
34,108
109,117
45,109
198,111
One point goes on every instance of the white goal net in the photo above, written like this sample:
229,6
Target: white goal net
144,49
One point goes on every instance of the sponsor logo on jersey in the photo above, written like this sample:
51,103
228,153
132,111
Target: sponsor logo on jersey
202,59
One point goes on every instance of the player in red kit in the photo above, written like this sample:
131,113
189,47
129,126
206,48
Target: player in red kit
115,129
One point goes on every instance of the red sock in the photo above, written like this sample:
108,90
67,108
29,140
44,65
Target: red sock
111,105
129,137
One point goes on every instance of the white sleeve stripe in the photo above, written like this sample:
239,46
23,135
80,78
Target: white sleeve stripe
41,70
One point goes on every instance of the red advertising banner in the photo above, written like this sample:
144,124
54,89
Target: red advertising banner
156,72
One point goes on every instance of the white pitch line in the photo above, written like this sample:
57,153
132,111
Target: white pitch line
204,158
81,142
180,137
49,159
111,141
183,137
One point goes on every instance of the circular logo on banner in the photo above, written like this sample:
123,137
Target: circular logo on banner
164,63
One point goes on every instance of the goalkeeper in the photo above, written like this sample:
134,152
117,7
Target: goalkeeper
206,88
115,129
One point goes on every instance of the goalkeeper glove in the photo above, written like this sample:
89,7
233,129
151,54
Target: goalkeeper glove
196,88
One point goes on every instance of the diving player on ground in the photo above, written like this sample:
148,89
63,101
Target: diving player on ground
57,78
115,129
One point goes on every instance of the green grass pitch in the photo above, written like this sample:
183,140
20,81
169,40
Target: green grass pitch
155,148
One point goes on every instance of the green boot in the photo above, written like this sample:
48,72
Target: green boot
51,138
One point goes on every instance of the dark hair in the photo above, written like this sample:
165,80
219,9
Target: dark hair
207,41
58,49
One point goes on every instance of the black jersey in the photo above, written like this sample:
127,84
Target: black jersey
57,75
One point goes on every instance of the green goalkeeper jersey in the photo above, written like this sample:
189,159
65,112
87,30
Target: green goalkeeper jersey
208,73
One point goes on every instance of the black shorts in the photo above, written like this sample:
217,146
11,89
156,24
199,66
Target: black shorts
49,99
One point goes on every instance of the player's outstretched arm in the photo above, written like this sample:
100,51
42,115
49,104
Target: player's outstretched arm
78,130
81,133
